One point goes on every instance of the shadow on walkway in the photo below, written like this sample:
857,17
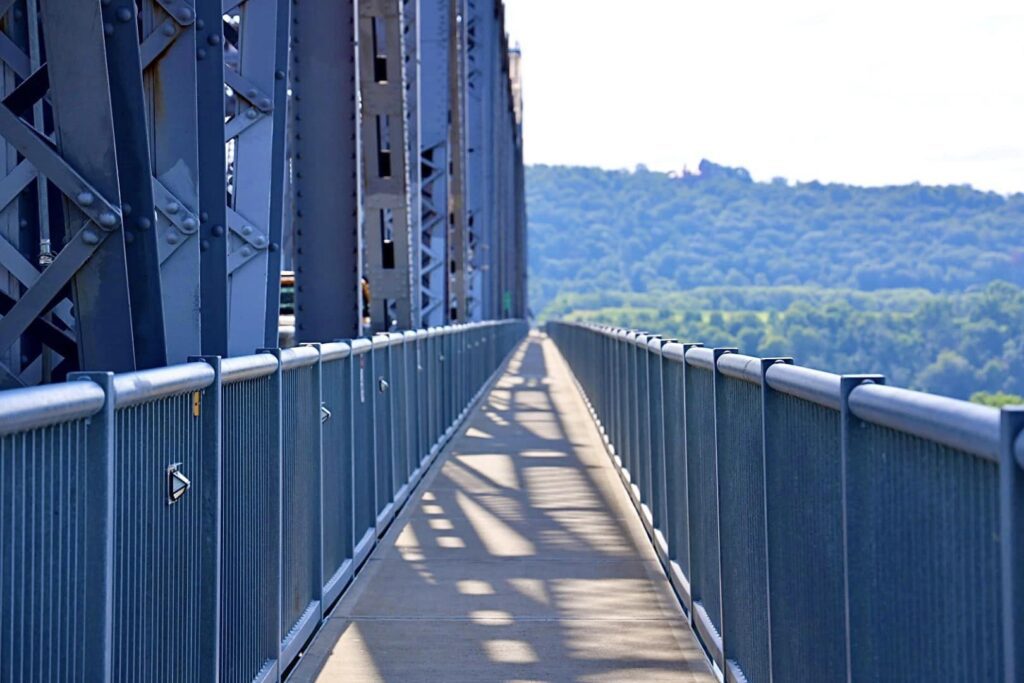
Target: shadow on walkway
522,560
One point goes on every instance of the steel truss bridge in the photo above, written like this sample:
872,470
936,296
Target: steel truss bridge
388,476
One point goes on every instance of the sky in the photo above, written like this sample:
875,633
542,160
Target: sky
871,92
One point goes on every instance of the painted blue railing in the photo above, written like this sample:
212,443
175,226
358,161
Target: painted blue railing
817,527
195,522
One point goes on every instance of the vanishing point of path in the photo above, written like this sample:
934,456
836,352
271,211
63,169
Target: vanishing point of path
521,559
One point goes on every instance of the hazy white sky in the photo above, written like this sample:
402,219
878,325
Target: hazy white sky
868,91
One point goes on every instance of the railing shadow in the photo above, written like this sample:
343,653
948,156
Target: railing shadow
522,560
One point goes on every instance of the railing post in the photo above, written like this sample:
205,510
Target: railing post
1011,496
99,541
769,399
212,444
848,421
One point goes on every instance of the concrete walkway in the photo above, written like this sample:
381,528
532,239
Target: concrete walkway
521,560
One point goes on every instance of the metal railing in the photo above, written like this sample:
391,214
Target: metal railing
817,527
195,522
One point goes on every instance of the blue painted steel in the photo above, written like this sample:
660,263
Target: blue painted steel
803,499
385,435
829,528
702,473
158,546
364,458
739,438
105,575
56,540
301,564
251,517
1011,499
336,486
922,530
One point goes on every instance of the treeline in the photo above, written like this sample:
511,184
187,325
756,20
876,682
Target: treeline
593,231
920,283
952,344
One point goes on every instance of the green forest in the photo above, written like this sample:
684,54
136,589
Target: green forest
923,284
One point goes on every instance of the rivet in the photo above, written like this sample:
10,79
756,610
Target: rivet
86,198
253,92
90,237
168,29
252,113
173,208
201,53
144,223
279,75
217,231
213,39
204,216
189,224
108,29
126,208
246,251
172,238
23,223
185,14
125,13
265,103
275,247
246,229
200,24
260,241
108,220
204,245
129,238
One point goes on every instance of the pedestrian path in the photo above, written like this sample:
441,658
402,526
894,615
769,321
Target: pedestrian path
522,559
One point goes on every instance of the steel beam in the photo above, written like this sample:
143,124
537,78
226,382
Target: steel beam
325,172
386,198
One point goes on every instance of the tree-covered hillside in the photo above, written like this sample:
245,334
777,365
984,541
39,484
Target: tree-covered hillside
615,231
920,283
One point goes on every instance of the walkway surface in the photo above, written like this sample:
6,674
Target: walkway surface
521,560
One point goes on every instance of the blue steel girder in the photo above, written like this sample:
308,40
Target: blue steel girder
255,55
76,156
458,266
325,173
411,18
388,249
169,78
434,44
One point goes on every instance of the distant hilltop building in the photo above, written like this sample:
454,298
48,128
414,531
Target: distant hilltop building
709,169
